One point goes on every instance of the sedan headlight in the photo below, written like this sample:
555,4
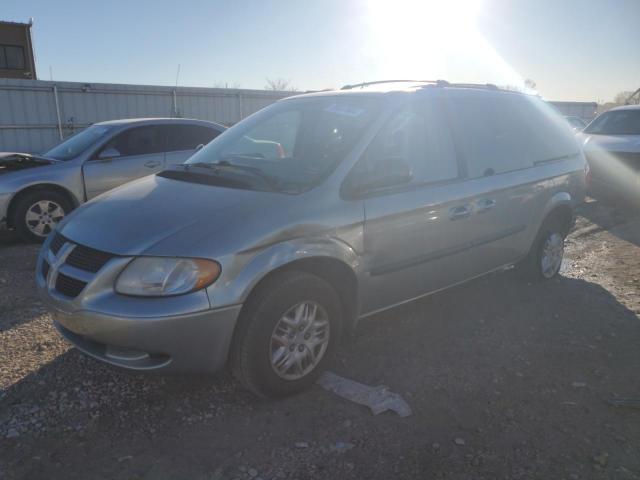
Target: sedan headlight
165,276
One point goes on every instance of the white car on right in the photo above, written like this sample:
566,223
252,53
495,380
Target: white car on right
611,144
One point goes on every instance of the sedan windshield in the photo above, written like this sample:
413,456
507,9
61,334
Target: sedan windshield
78,143
617,122
292,145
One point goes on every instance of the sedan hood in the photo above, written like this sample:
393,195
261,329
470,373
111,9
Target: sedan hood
611,143
13,161
161,216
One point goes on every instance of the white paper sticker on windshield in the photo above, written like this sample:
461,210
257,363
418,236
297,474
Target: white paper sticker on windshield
347,110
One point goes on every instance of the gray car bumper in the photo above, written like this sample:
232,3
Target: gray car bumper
197,342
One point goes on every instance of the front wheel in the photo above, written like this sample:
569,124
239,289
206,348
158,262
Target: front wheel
286,334
37,214
546,254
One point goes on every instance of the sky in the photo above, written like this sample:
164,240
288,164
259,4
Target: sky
574,50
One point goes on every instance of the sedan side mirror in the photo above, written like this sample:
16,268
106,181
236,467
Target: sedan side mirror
108,153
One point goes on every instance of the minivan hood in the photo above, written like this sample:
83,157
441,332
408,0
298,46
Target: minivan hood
611,143
160,216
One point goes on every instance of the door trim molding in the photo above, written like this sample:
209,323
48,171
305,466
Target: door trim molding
445,252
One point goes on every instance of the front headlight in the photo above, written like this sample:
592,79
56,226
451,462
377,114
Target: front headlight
165,276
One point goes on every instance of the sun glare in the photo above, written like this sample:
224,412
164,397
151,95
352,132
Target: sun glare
433,39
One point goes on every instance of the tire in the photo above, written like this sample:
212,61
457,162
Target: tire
259,350
538,266
51,205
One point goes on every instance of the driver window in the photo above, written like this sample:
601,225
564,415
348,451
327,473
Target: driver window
136,141
416,138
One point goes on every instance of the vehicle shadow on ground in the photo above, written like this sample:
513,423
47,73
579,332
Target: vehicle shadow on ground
19,302
609,212
9,237
491,361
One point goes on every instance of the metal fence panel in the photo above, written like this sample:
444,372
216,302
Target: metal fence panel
31,121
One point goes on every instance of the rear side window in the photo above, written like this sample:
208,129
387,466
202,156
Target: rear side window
137,141
188,137
502,133
418,136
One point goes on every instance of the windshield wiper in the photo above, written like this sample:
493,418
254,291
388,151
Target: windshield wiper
256,172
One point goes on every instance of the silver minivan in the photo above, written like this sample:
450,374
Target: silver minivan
318,211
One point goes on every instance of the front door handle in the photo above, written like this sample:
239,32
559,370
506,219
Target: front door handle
485,205
152,163
460,212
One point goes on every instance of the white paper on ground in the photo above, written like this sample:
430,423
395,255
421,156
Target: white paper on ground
379,399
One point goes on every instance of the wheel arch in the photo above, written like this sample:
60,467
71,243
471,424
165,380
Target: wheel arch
331,260
333,271
35,188
560,209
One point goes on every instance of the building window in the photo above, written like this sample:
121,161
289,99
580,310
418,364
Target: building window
12,57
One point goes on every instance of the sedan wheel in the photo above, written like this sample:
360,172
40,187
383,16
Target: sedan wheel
43,216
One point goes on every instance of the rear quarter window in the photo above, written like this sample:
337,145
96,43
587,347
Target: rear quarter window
498,133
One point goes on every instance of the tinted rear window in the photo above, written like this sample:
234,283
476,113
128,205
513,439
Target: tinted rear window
188,137
498,133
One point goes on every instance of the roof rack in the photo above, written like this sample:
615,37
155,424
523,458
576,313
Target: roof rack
489,86
429,83
376,82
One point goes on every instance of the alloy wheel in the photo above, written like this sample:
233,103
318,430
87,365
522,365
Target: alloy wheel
43,216
299,340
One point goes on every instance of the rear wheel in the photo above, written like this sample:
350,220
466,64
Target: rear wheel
546,254
38,213
286,334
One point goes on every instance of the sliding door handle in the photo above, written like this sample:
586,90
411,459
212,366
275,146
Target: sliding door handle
485,205
460,212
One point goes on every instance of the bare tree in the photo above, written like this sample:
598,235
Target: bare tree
524,87
235,85
279,84
622,97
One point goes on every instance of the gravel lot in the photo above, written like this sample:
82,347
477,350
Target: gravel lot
506,381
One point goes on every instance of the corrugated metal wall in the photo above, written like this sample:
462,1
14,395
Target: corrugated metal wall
32,119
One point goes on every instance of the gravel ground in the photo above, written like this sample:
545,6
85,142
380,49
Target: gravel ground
506,381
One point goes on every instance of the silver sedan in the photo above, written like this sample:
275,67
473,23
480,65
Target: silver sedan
37,191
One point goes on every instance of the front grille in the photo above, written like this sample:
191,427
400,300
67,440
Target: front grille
56,243
81,257
45,269
88,259
68,286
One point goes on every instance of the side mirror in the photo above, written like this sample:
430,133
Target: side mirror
108,154
383,173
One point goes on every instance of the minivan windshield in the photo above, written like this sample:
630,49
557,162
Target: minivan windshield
78,143
291,145
616,122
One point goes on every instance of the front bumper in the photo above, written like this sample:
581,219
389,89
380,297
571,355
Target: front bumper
181,333
197,342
